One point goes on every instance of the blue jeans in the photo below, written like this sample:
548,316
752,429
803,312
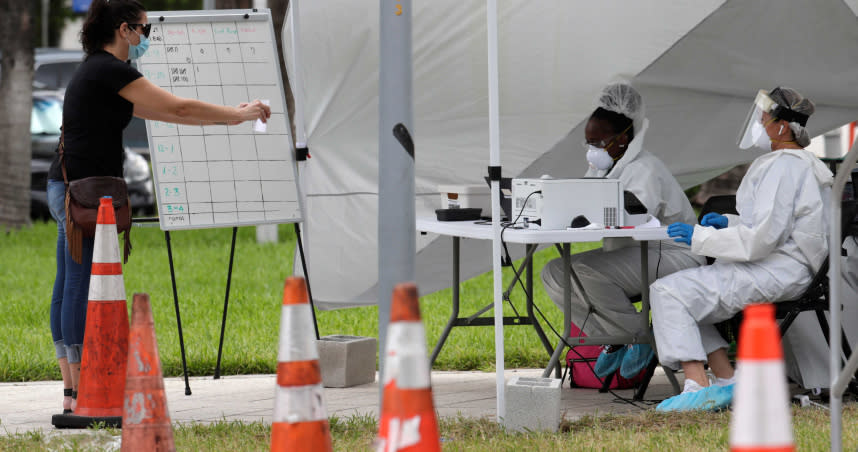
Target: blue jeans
71,286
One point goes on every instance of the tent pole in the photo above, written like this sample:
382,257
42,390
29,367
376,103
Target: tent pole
397,231
302,153
835,278
494,162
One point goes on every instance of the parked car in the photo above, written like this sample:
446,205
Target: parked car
55,67
45,122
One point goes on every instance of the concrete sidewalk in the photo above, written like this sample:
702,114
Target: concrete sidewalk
249,398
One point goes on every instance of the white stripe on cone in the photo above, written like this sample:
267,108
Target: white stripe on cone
299,404
106,244
761,408
407,361
297,337
106,288
403,433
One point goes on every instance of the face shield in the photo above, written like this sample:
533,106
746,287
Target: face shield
763,110
752,129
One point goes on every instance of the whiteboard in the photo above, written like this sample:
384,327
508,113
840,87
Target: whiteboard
220,176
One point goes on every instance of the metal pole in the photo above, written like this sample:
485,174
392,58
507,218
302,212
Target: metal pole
46,5
455,299
296,80
494,162
835,279
396,223
225,303
209,5
306,278
178,316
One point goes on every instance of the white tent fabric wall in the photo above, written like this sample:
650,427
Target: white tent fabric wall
697,65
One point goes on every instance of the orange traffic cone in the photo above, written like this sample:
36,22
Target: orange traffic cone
761,409
407,413
300,419
105,342
145,418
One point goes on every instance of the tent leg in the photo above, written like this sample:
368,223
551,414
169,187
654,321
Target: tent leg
567,314
455,314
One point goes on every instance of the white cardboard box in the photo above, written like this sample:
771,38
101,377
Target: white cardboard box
466,196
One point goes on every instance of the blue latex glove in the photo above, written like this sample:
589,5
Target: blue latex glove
716,220
681,231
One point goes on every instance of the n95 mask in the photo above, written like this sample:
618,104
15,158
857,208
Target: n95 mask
761,137
599,158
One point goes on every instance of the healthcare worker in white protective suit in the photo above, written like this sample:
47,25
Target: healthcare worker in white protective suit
768,253
610,275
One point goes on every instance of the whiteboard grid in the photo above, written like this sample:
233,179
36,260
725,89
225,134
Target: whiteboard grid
220,176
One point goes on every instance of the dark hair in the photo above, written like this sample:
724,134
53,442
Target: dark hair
103,18
618,122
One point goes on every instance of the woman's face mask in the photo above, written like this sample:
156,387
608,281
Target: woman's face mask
597,151
599,158
137,51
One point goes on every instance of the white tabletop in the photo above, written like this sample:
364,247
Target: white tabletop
471,230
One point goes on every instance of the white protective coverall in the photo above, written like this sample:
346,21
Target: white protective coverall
610,275
768,253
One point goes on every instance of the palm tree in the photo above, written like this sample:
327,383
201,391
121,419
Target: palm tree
17,21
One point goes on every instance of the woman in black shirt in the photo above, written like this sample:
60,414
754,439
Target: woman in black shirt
103,94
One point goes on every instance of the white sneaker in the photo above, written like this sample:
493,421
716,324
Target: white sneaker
691,386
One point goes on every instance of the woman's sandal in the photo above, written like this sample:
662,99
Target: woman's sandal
68,392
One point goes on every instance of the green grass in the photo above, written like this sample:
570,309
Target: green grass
646,431
201,260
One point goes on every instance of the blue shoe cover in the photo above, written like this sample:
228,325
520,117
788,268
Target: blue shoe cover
686,401
710,398
607,363
720,397
636,359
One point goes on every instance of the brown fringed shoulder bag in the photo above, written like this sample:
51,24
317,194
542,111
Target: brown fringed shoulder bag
82,198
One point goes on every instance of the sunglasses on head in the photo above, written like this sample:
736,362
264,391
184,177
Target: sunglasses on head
146,28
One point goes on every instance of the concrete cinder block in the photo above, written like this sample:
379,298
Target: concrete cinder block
346,360
532,404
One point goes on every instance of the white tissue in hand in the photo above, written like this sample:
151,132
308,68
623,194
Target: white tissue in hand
260,126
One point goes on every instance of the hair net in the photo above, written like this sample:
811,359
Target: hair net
623,99
791,98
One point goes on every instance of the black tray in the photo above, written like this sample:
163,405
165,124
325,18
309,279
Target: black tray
469,214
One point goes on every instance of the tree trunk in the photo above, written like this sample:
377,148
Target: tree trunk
16,86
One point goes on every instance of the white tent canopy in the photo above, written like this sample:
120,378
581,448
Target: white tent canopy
697,65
